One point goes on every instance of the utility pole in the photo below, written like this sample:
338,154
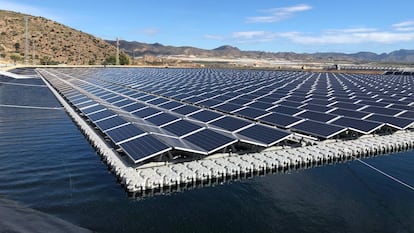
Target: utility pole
34,49
117,52
26,41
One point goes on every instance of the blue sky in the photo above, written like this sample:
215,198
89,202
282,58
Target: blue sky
263,25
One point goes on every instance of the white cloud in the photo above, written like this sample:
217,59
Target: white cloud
248,34
404,26
380,37
213,37
278,14
150,31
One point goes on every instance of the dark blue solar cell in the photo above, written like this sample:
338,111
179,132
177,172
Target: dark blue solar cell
86,104
280,120
261,105
317,108
209,103
162,119
349,113
124,132
80,100
240,101
227,107
185,110
123,102
264,135
170,105
158,101
251,112
137,95
230,123
93,109
115,99
194,99
317,116
133,107
110,123
206,115
100,115
108,96
397,122
143,148
181,127
146,112
351,106
147,98
409,115
363,126
318,129
285,110
290,103
209,140
382,110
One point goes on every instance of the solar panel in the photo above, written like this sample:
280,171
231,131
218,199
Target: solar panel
280,120
92,109
146,112
206,115
263,135
251,112
181,127
143,148
170,105
134,107
260,105
186,109
110,123
162,119
349,113
230,123
123,102
123,133
100,115
285,110
227,107
210,140
316,116
409,115
397,122
318,129
362,126
209,103
382,110
158,101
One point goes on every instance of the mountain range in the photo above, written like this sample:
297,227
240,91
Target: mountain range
141,49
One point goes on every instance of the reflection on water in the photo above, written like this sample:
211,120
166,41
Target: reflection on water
46,164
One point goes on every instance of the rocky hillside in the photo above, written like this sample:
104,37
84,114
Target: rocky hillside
49,42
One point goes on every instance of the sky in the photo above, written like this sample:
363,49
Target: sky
305,26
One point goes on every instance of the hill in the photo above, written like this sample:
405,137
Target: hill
49,41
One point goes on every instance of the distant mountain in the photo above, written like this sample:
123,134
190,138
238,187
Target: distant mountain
49,41
227,51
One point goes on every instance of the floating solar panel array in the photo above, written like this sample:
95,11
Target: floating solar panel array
148,112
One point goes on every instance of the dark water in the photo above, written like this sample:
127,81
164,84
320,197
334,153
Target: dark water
46,164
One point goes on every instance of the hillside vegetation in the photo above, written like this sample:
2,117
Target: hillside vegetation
49,42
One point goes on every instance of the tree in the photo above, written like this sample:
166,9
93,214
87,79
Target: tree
17,47
16,57
123,59
111,60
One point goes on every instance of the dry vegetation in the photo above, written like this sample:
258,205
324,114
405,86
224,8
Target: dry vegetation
49,42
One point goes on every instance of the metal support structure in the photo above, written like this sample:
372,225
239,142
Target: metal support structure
117,52
26,40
